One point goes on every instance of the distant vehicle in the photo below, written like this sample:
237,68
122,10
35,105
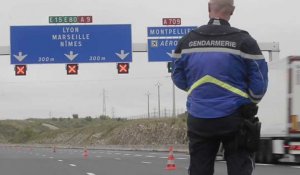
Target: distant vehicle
279,111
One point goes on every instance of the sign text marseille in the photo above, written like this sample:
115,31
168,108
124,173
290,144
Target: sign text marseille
71,44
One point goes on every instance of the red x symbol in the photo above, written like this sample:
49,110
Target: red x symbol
72,69
123,68
20,69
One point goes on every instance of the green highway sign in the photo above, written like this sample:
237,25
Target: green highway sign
70,19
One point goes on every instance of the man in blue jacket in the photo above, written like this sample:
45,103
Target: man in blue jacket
222,69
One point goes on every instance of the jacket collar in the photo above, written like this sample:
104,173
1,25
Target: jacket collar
215,21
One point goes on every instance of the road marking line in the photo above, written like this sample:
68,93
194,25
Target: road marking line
127,154
163,157
72,165
117,153
146,162
295,166
137,155
51,157
181,158
90,174
60,160
150,156
99,156
261,164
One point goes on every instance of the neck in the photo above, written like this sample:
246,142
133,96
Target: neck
226,18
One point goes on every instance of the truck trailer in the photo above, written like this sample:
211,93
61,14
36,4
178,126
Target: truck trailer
279,111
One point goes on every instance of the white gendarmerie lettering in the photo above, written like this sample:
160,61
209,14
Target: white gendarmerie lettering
212,43
222,49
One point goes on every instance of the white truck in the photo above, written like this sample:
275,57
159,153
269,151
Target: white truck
279,111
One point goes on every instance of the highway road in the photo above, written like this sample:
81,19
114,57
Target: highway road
43,161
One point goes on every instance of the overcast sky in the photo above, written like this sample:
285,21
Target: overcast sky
47,91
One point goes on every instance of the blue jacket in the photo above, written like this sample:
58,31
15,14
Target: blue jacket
221,68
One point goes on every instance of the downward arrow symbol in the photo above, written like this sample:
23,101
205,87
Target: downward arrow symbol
20,57
71,56
171,54
122,55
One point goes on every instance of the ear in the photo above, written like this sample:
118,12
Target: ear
232,10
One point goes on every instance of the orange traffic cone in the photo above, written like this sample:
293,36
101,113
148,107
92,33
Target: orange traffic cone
85,153
171,160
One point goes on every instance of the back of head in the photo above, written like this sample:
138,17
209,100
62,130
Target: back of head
221,8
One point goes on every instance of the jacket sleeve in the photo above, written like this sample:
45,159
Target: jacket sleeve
257,70
178,73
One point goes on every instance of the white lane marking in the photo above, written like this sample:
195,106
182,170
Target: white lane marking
99,156
117,158
117,153
163,157
295,167
127,154
181,158
51,157
150,156
90,174
72,165
146,162
137,155
60,160
261,164
44,155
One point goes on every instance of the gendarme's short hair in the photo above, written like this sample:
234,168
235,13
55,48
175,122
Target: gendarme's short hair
222,2
224,6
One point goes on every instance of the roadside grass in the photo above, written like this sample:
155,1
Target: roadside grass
95,131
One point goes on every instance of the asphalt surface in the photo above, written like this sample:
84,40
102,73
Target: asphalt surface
43,161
